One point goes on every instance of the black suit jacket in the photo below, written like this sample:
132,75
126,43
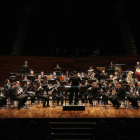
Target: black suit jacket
12,92
6,88
120,93
26,68
75,80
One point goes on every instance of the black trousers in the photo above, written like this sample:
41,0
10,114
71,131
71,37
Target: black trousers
72,91
2,101
45,98
91,97
21,98
133,100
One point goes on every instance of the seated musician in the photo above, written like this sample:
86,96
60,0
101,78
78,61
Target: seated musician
65,79
57,95
7,86
55,77
13,94
102,75
111,77
91,70
42,76
18,88
40,94
26,67
93,93
31,77
111,66
58,69
120,95
136,82
104,90
39,79
88,75
138,66
67,74
26,89
82,94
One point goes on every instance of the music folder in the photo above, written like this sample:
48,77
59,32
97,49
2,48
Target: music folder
51,82
31,78
63,83
91,81
109,80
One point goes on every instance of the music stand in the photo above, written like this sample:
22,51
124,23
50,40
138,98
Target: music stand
109,81
103,77
22,71
83,82
111,71
124,82
85,78
91,81
58,73
18,77
62,83
31,78
52,82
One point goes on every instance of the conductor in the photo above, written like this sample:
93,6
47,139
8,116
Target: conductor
75,80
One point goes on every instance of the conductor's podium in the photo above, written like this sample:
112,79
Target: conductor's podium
72,107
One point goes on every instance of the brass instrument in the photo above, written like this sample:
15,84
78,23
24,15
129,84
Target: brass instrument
129,77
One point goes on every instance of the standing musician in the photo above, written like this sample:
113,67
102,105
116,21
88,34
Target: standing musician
40,94
75,80
58,69
93,92
14,95
57,95
120,94
111,66
26,67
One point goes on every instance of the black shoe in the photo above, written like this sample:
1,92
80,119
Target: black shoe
48,105
75,103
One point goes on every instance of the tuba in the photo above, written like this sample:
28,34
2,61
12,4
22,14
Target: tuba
129,76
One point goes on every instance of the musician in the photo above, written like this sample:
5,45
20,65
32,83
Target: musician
2,100
93,92
67,74
138,66
26,89
18,87
58,69
7,86
40,94
15,96
42,76
111,77
26,67
39,79
57,95
82,94
104,90
111,66
102,75
86,93
65,79
75,80
31,77
136,82
55,77
91,70
120,94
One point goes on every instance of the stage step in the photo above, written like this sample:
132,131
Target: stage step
72,135
72,124
71,130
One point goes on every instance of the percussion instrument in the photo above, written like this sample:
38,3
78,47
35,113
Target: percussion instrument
137,73
118,69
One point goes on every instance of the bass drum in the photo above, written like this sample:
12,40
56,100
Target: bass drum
137,73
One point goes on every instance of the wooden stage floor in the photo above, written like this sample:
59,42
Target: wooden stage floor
57,112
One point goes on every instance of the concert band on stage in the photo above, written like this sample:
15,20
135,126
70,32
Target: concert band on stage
111,85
